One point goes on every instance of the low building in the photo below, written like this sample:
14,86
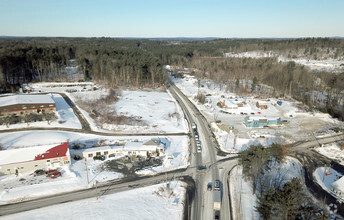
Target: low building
144,149
338,187
29,159
97,151
132,148
26,104
259,122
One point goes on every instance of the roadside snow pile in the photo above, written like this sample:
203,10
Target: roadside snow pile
152,202
332,151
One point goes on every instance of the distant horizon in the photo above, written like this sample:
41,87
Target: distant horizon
210,38
155,18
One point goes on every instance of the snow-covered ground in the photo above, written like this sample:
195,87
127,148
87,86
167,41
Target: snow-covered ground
158,111
152,202
330,65
65,117
298,125
332,151
243,199
26,186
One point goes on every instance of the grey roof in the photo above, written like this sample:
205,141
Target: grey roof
25,99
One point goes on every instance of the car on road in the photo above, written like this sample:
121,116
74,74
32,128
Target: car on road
196,137
199,149
202,167
217,185
210,186
194,126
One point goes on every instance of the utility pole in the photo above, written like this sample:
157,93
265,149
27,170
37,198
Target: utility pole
88,181
97,190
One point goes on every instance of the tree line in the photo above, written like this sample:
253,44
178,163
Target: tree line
139,63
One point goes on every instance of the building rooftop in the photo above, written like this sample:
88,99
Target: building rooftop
95,149
33,153
139,146
25,99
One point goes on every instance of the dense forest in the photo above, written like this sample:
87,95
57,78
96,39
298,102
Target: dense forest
139,63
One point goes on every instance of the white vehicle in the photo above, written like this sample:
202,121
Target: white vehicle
196,137
194,126
199,149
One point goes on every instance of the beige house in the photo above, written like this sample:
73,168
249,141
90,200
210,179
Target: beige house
29,159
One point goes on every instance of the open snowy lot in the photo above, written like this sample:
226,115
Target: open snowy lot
143,111
156,202
330,65
74,177
230,130
64,113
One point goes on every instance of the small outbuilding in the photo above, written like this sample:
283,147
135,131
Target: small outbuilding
259,122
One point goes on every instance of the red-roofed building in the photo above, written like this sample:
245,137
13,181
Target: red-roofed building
33,158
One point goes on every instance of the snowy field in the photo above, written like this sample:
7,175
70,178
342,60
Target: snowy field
155,202
332,151
26,186
330,65
65,117
298,124
157,111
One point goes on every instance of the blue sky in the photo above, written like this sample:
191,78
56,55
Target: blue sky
174,18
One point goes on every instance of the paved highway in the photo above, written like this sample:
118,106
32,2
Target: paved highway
203,204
